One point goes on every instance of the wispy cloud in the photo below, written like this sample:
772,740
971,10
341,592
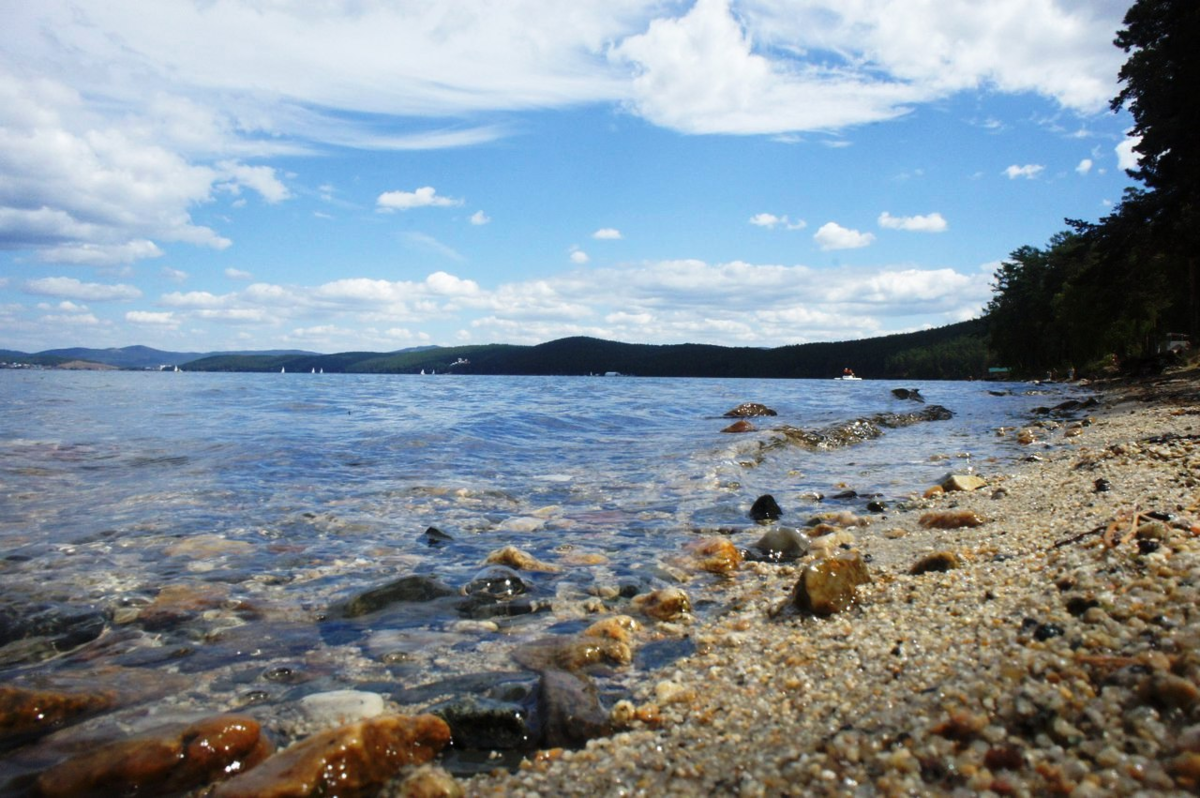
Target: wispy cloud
424,197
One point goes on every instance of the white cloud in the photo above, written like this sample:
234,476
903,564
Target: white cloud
607,234
771,221
1028,171
1127,159
238,274
479,217
70,288
579,256
1085,166
424,197
152,318
174,275
832,235
260,178
929,223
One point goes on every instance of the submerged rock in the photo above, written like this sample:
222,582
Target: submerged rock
30,633
750,409
911,394
166,760
740,426
481,723
407,589
349,761
765,508
513,557
830,585
497,583
28,714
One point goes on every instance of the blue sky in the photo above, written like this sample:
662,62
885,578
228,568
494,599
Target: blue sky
374,175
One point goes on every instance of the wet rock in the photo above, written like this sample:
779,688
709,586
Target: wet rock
430,781
749,410
615,627
937,562
416,588
765,508
715,555
434,537
667,604
497,583
740,426
573,654
31,633
781,544
339,707
484,608
964,482
826,540
571,711
910,394
830,585
28,714
513,557
951,519
481,723
349,761
166,760
177,604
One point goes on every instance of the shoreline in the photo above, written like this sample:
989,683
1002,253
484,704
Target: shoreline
1047,662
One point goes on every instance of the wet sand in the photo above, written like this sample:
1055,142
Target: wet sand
1061,656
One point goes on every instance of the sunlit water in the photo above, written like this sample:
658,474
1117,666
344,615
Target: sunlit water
296,491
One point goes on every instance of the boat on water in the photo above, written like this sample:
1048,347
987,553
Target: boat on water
850,378
848,374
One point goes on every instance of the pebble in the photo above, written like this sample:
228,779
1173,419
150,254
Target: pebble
339,707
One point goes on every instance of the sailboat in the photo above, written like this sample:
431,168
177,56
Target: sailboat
282,370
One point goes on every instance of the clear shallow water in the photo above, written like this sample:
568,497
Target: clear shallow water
269,498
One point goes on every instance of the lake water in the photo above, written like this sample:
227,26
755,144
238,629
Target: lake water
254,503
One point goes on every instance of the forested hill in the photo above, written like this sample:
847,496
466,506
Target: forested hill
957,351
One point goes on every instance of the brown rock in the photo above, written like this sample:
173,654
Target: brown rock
667,604
936,562
716,555
951,519
573,654
740,426
521,560
831,584
349,761
430,781
615,627
966,482
166,760
33,713
748,409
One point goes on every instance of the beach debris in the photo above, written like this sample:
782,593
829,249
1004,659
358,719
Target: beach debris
520,560
750,409
830,584
169,759
781,544
951,519
665,604
765,508
715,555
937,562
353,760
740,426
415,588
963,482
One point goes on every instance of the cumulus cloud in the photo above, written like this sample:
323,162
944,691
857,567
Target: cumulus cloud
424,197
1127,158
1028,171
479,217
1085,166
929,223
174,275
832,235
578,256
771,221
607,233
70,288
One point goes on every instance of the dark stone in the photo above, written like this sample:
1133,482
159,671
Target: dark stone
911,394
780,545
877,506
497,583
571,711
765,508
481,608
50,628
486,724
1045,631
434,537
410,589
750,409
844,495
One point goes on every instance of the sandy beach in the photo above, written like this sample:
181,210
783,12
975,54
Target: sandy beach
1054,649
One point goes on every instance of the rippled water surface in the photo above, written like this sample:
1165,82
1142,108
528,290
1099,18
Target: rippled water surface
259,501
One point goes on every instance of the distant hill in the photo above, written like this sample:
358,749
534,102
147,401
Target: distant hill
958,351
130,357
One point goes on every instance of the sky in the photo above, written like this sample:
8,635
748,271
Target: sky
373,175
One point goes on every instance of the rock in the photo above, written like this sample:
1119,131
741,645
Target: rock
750,409
951,519
176,604
782,544
573,654
349,761
498,583
715,555
615,627
166,760
911,394
28,714
209,545
416,588
667,604
936,562
45,630
965,482
520,560
830,585
480,723
434,537
765,508
339,707
430,781
740,426
843,518
571,711
828,542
